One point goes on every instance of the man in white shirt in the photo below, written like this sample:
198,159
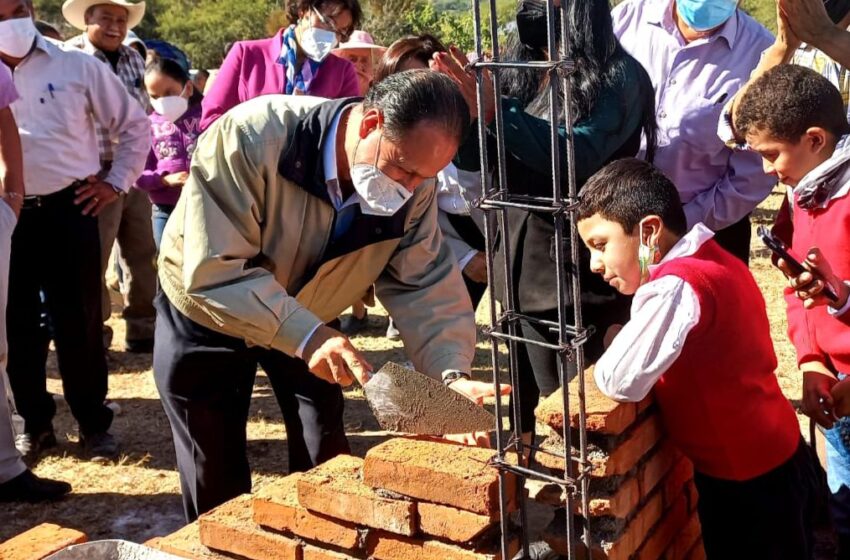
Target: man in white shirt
64,95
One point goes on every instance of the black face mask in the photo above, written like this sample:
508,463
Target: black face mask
531,23
836,9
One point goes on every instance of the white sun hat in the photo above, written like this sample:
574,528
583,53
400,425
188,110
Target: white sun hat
75,11
358,40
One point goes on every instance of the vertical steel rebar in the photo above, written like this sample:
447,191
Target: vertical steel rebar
496,223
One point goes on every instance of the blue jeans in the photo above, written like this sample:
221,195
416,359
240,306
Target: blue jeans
159,217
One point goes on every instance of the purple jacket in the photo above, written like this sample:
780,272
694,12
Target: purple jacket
252,69
172,145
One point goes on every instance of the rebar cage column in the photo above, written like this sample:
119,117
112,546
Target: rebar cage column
497,198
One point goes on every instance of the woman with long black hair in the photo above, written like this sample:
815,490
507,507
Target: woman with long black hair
613,106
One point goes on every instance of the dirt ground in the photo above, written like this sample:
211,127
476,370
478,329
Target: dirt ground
138,497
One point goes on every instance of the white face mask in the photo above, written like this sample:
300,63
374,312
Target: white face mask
317,43
381,195
170,107
17,36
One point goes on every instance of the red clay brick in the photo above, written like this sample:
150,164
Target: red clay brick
693,495
618,461
336,489
685,539
654,470
439,472
230,528
603,415
626,544
452,524
675,481
39,542
628,453
186,543
386,546
276,506
673,522
315,553
697,552
621,504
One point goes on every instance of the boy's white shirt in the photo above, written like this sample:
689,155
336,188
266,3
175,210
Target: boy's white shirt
663,312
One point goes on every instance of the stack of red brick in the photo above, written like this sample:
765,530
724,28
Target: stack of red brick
642,496
40,542
410,499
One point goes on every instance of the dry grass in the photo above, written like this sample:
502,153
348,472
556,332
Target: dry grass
139,497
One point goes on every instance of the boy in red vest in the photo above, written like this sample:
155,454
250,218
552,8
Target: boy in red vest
796,120
699,338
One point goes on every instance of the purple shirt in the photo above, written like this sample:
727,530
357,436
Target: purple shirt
693,81
172,146
253,68
8,93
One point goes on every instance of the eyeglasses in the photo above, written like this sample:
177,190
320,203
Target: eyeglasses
330,22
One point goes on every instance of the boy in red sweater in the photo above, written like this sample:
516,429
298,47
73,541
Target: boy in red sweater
796,119
699,338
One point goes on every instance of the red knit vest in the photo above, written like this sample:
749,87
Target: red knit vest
720,400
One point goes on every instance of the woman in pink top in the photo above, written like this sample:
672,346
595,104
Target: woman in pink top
297,60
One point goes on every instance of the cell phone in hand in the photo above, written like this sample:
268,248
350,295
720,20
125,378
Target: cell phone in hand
780,250
836,9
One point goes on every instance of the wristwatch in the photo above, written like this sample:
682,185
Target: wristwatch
452,376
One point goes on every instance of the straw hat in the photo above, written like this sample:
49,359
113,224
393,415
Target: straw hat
75,11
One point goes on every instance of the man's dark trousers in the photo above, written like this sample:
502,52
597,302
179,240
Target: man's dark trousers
205,380
55,249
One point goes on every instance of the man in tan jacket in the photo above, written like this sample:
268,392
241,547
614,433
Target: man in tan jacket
294,207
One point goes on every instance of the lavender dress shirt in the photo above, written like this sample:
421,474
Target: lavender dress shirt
719,186
253,68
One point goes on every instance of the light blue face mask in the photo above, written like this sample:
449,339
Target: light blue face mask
704,15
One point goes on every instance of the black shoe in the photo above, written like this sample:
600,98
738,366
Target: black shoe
100,447
26,487
352,325
31,446
140,346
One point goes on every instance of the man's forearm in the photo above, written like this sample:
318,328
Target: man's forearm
11,155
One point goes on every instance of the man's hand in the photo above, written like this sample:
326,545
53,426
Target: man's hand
841,398
453,64
331,357
96,196
809,286
476,391
807,18
476,268
818,402
786,40
175,179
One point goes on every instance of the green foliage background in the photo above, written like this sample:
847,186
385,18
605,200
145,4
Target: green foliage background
203,28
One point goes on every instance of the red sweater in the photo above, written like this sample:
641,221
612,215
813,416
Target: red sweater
720,400
815,333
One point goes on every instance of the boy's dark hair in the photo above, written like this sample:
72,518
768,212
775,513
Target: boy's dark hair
788,100
627,191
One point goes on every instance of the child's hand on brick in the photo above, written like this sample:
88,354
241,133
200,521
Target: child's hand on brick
818,402
841,398
809,286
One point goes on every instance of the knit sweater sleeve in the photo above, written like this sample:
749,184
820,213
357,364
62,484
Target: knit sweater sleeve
801,330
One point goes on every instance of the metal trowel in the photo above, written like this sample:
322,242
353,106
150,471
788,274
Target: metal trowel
404,400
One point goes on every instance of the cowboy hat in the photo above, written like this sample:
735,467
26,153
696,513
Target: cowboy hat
75,11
